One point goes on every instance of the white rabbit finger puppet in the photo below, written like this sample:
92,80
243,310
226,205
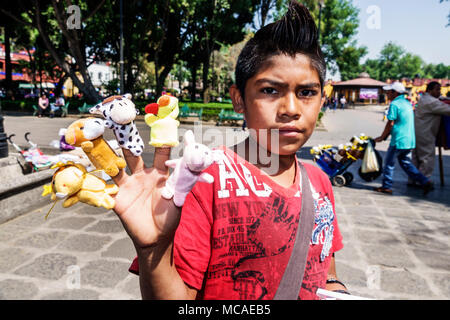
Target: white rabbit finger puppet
188,170
119,113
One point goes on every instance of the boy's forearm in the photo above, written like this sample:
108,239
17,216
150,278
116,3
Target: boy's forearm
158,276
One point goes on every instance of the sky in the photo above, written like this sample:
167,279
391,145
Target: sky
419,26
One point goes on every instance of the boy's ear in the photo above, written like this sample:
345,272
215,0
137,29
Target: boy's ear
236,99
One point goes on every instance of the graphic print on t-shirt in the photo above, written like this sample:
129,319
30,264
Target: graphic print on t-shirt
276,219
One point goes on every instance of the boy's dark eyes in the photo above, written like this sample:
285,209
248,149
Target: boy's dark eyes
307,93
269,90
301,93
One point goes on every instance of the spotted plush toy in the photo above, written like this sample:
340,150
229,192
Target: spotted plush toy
119,113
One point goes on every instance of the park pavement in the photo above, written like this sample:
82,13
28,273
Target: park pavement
395,247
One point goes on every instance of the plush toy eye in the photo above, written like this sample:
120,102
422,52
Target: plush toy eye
81,128
152,108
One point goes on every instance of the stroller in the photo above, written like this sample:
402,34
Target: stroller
335,161
34,158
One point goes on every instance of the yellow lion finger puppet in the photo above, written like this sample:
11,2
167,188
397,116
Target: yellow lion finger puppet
88,134
73,183
161,117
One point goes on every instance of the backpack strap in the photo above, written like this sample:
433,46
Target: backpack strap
291,282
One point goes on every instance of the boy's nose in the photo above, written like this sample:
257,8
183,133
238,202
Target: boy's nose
289,107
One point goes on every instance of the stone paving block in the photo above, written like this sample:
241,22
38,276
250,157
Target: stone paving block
405,213
349,275
122,248
85,209
10,232
48,266
435,215
368,222
84,242
348,253
371,211
356,200
422,241
392,202
43,240
73,294
10,258
442,281
391,256
33,219
376,237
404,282
11,289
75,223
439,228
107,226
437,260
131,287
412,225
104,273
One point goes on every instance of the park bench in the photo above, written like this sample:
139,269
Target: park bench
229,115
35,110
63,110
186,112
85,108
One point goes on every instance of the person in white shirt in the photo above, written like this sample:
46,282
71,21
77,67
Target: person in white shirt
426,121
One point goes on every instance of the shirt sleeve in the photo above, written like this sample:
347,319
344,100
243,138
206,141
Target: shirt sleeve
439,107
392,112
192,246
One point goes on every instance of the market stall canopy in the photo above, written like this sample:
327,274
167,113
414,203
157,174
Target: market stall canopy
363,80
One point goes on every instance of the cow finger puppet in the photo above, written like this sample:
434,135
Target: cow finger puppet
188,170
72,183
87,133
161,117
119,113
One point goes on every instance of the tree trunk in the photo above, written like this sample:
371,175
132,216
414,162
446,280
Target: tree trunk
194,81
59,86
206,89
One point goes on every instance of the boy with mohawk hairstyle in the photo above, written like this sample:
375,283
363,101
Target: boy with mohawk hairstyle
233,238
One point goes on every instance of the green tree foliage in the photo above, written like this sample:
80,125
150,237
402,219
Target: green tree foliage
215,23
66,45
394,62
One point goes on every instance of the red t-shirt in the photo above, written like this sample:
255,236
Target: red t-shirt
236,235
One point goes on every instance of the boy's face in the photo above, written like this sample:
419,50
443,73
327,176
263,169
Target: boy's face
285,95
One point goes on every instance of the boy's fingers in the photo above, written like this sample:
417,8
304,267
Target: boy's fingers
134,163
120,178
162,154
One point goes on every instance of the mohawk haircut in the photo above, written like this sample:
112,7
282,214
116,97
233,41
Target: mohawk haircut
295,33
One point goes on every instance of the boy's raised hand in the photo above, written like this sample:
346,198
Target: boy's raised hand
146,216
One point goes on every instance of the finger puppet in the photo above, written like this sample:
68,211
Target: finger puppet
88,134
119,113
188,170
73,183
161,117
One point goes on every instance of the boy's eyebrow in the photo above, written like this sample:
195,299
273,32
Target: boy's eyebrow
309,85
